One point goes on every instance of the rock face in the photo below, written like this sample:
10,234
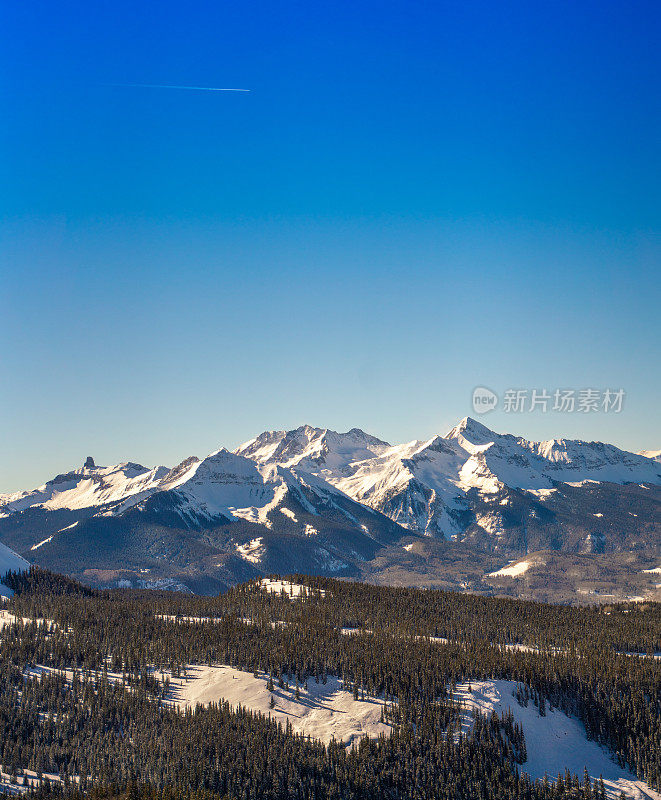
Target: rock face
318,501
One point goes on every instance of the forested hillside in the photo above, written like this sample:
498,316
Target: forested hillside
86,678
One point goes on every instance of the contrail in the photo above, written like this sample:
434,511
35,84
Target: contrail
167,86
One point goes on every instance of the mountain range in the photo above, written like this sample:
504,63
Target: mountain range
452,511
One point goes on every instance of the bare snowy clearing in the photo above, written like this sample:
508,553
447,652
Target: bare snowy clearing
39,671
10,562
512,571
291,589
253,551
187,620
322,711
355,631
278,623
7,618
25,779
554,742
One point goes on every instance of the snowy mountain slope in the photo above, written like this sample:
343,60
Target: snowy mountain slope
10,562
314,500
409,482
421,485
224,517
295,520
312,449
426,486
324,711
554,742
416,484
655,455
519,463
87,487
221,487
227,486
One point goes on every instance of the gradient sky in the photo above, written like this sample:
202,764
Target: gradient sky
414,199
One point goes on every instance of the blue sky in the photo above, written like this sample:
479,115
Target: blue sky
413,199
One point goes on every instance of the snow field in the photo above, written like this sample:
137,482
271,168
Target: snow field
512,571
10,561
253,551
322,711
26,779
553,742
187,620
291,589
7,618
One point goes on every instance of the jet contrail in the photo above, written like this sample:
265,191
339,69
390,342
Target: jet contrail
167,86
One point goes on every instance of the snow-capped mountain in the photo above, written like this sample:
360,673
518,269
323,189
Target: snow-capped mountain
313,449
226,487
315,500
222,509
221,487
655,455
524,464
426,485
88,487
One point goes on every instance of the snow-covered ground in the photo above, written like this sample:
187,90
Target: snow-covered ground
7,618
40,670
553,742
253,551
187,620
323,711
511,571
26,779
10,562
291,589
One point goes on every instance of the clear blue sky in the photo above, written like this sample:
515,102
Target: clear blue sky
414,199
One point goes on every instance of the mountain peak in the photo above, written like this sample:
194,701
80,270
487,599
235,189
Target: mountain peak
473,431
307,443
89,463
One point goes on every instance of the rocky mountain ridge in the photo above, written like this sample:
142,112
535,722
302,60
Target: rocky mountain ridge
318,501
